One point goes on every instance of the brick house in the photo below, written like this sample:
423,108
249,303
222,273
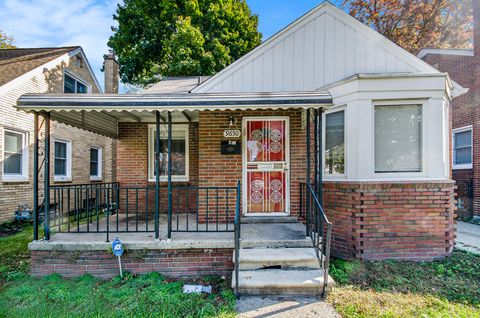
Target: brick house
327,130
463,66
45,70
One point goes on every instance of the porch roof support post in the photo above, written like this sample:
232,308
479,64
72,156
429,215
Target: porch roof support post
157,173
35,176
320,159
307,177
169,167
315,148
46,179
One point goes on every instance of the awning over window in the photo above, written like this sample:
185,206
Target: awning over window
101,113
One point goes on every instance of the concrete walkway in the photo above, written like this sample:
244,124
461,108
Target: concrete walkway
284,307
468,237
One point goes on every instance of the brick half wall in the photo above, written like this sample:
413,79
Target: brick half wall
373,220
103,264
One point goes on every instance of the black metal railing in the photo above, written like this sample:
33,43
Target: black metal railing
318,227
114,208
237,226
203,209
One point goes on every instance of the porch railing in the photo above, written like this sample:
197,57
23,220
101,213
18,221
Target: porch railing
237,234
318,227
113,208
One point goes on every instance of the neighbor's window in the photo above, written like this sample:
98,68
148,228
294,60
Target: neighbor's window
398,138
179,153
15,156
95,163
462,148
335,143
62,161
72,85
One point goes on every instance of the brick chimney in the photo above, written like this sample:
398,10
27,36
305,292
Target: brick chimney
111,70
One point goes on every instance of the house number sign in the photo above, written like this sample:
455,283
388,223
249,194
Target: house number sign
232,133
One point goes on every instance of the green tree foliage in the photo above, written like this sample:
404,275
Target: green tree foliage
6,42
162,38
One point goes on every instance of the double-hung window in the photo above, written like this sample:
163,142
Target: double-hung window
62,161
398,138
180,145
95,164
15,155
335,143
73,85
462,148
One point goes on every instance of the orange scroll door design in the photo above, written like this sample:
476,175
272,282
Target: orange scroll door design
267,166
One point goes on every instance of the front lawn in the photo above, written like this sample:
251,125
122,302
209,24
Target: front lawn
446,288
150,295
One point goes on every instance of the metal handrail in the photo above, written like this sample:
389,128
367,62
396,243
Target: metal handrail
319,228
237,238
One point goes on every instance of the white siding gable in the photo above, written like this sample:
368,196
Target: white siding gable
320,48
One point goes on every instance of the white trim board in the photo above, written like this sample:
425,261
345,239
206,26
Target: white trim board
461,52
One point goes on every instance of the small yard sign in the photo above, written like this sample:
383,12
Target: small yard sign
117,249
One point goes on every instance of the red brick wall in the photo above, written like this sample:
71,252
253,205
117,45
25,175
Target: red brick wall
132,167
373,220
216,169
102,264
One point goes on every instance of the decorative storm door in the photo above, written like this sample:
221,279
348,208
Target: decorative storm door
266,166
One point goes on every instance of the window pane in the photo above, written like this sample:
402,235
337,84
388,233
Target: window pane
463,139
69,84
93,168
94,154
60,150
60,167
178,157
463,156
335,143
81,89
13,142
94,162
12,164
398,138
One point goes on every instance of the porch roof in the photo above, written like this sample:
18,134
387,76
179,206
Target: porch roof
101,113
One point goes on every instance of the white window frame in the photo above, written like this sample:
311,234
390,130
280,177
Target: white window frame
423,142
77,79
324,139
151,152
465,165
68,172
99,175
24,175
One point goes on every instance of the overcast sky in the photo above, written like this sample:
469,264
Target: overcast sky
50,23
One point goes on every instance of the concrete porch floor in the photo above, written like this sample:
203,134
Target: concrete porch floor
252,235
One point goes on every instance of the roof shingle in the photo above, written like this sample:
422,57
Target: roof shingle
16,62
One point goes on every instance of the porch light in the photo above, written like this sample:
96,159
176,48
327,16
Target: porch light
232,120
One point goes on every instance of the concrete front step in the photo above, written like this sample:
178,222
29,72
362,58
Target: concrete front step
276,243
285,258
281,282
268,219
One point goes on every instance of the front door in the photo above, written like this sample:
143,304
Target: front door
266,166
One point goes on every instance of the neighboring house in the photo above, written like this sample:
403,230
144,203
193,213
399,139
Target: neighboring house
326,115
80,156
463,66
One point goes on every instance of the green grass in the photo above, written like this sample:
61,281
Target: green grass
445,288
14,254
150,295
133,296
